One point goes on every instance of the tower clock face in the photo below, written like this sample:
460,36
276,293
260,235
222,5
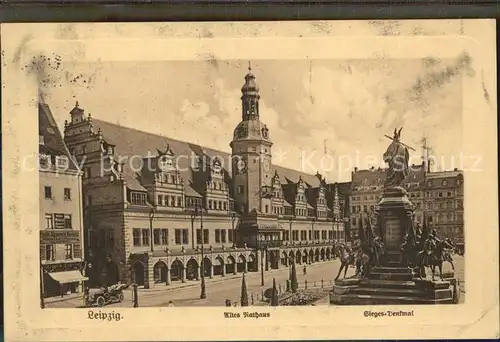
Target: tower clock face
266,165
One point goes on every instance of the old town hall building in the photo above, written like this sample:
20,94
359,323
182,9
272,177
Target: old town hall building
153,203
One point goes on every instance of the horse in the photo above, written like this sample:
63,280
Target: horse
346,258
362,263
397,156
435,257
447,253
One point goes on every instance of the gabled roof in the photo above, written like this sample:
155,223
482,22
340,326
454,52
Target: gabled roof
53,142
371,177
130,142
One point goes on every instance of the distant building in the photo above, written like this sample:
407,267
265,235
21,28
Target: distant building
61,225
436,195
143,202
444,203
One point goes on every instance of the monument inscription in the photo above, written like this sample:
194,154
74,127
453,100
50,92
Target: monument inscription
392,233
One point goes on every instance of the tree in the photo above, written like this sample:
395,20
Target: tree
244,293
293,279
274,298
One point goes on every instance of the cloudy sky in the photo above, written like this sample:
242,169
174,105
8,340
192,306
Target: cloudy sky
323,115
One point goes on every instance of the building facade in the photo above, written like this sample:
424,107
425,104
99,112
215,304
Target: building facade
61,223
444,206
159,206
436,195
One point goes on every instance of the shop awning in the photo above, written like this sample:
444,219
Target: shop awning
67,277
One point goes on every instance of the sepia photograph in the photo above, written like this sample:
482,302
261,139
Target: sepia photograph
133,218
193,172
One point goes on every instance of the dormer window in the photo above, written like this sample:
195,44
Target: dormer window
445,182
61,162
44,159
166,163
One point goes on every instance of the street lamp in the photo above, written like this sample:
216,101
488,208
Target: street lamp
260,240
233,218
151,217
203,294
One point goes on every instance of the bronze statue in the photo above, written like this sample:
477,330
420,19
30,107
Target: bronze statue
397,157
378,250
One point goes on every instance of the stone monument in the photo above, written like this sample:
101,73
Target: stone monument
391,281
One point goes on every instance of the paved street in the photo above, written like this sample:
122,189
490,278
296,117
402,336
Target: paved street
219,291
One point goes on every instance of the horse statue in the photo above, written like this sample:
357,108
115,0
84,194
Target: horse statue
361,258
397,156
378,250
346,258
432,255
447,252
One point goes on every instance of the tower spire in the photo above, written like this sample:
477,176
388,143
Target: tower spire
250,97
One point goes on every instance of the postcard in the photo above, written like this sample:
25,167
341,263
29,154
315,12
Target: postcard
250,180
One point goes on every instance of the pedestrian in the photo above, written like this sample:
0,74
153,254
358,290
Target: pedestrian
305,270
171,304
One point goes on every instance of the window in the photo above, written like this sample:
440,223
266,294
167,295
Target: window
429,184
230,236
449,194
310,235
136,234
440,194
48,192
110,238
67,194
172,201
87,172
178,235
145,237
68,253
185,236
164,236
49,222
225,205
241,189
223,236
137,198
156,236
160,200
220,205
205,236
267,208
354,221
62,161
330,235
209,204
49,252
179,201
217,235
67,222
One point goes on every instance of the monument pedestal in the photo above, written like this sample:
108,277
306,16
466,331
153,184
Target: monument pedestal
394,217
393,282
392,285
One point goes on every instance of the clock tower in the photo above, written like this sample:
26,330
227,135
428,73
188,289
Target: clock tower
251,154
